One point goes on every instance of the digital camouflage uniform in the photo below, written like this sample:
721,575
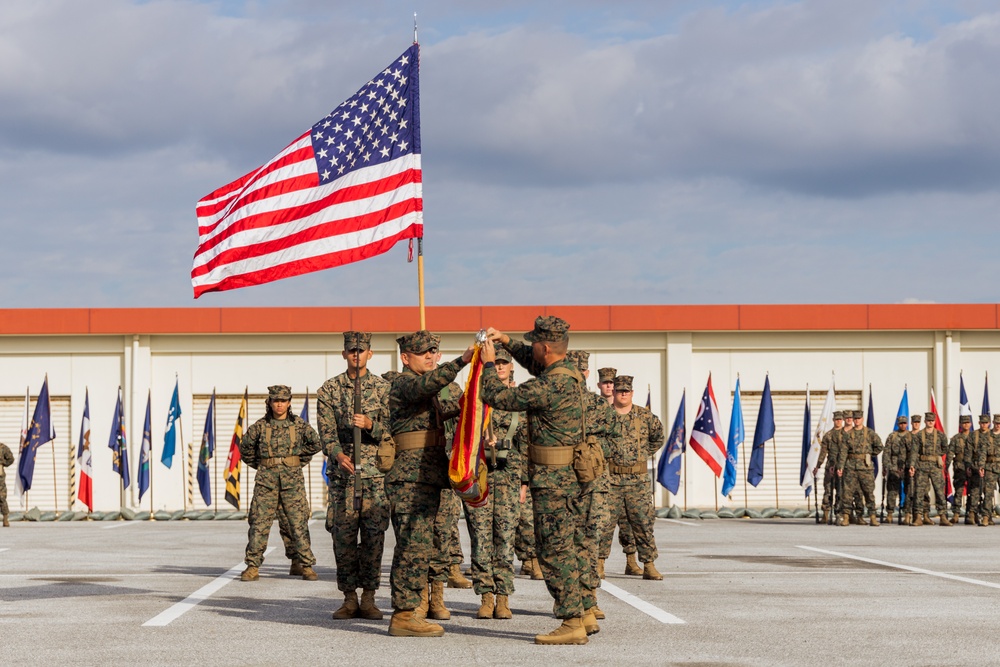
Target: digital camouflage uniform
358,537
6,460
894,465
988,459
829,450
641,437
492,526
555,419
860,445
447,540
928,448
414,484
977,441
278,481
625,537
959,460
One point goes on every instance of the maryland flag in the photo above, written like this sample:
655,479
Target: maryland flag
233,462
467,468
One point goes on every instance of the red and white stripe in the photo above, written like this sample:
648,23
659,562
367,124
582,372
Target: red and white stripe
280,221
710,446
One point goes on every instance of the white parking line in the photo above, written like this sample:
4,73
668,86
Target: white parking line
119,524
684,523
640,604
173,613
908,568
4,549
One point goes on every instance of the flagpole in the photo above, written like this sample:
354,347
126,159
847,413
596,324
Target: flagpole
149,401
121,476
715,479
746,502
685,463
180,436
215,458
420,239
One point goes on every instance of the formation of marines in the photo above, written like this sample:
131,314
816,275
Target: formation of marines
917,461
576,460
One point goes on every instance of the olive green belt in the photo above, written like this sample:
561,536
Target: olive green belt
637,469
418,440
551,456
290,461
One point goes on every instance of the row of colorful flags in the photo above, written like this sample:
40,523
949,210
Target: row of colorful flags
723,457
40,430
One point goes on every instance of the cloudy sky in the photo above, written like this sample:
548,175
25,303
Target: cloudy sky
574,152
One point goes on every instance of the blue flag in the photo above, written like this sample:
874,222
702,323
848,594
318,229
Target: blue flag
806,444
170,430
904,408
118,443
40,432
146,451
871,425
763,431
986,396
206,453
668,470
736,437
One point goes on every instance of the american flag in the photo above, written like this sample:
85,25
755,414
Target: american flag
705,439
346,190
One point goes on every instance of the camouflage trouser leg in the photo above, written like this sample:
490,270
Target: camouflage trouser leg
491,529
358,539
274,487
588,548
626,537
4,509
959,483
829,484
892,489
414,508
615,504
927,479
447,543
285,532
597,525
860,484
524,542
559,541
640,516
989,487
974,501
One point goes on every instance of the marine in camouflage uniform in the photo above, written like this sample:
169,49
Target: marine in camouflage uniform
358,536
960,460
894,465
854,463
278,445
988,464
976,442
829,450
641,437
492,526
552,401
6,460
419,473
929,446
910,505
606,385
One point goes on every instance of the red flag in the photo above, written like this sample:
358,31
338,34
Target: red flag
467,467
346,190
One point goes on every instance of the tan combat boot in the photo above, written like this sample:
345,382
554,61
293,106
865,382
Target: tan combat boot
984,520
526,566
295,569
826,516
919,521
649,572
873,520
406,624
368,609
944,519
589,621
308,573
250,574
570,632
486,606
845,520
421,610
600,568
6,521
632,566
888,518
927,519
349,609
502,608
598,614
970,518
436,608
536,570
456,579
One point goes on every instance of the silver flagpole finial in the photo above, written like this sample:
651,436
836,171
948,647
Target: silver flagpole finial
414,27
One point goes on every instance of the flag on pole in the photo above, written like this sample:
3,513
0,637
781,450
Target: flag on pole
805,470
118,444
206,453
904,408
871,425
948,488
705,438
40,432
233,462
304,415
649,398
22,445
964,406
83,456
347,189
986,396
170,430
763,433
668,469
823,426
146,450
737,434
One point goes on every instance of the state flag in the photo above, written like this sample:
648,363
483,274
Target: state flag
705,438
